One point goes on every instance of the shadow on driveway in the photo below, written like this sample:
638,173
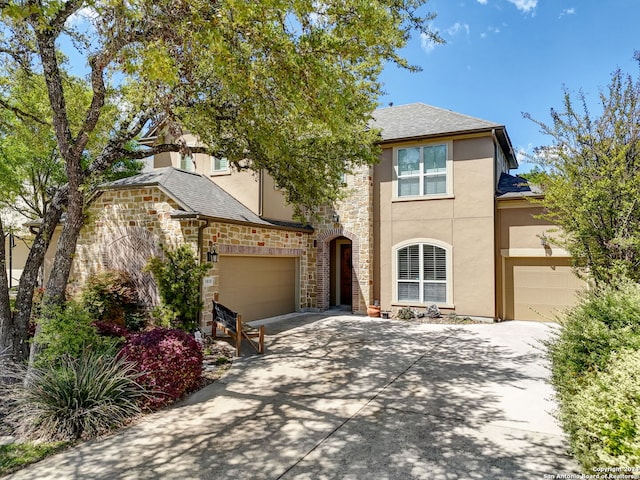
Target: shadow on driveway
351,397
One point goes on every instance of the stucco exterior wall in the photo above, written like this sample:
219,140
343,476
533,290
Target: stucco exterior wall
519,235
243,186
462,222
274,206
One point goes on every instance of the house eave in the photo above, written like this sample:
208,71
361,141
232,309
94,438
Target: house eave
181,215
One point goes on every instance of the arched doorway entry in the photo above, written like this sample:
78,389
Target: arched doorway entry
338,255
341,273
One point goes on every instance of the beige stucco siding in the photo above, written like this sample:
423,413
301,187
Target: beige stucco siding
462,222
243,186
534,281
274,206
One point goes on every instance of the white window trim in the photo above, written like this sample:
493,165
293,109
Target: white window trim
225,171
449,172
449,304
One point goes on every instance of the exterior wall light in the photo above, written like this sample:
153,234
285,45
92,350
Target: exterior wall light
336,218
212,255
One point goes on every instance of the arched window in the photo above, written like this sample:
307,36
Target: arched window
422,274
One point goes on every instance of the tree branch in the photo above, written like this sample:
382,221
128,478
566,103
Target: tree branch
21,113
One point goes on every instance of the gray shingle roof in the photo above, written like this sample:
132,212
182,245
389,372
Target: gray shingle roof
197,194
510,186
418,120
421,120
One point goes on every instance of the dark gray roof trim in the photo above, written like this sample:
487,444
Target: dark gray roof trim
198,196
510,186
418,120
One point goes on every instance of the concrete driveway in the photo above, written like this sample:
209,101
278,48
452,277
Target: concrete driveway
346,397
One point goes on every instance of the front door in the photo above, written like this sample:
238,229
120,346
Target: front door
345,274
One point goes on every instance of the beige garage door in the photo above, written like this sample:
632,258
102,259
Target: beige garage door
539,288
258,287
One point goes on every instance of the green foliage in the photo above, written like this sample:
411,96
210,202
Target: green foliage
593,180
594,364
605,320
111,296
67,331
78,398
277,86
17,455
603,418
536,176
179,276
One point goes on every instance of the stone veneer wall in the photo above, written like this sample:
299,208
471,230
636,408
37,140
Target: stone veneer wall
137,217
144,214
356,224
236,239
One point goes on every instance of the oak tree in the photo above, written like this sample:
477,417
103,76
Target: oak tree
287,86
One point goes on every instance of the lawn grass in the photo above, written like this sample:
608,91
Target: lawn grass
14,456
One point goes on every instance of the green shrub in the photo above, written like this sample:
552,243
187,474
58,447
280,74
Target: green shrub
605,321
68,331
78,398
178,276
603,418
406,313
111,296
594,369
169,362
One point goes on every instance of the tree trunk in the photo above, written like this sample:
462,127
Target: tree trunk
66,248
6,319
14,330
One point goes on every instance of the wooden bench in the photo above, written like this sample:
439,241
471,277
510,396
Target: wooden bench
230,323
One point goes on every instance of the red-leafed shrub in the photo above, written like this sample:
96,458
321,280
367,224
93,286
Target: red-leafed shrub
169,360
109,329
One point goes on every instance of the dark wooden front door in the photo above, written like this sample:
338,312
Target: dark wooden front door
345,274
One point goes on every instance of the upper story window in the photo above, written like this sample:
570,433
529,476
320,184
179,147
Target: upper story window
422,274
423,171
219,165
187,163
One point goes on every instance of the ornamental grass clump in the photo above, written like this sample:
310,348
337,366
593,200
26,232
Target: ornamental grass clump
77,398
169,362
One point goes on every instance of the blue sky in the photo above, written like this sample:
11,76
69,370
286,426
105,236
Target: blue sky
505,57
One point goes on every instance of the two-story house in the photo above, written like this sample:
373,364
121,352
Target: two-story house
438,220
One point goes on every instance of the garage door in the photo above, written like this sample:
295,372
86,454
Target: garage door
258,287
539,288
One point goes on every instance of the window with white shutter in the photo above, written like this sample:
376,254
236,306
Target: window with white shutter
422,274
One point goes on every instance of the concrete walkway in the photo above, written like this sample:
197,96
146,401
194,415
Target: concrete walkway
346,397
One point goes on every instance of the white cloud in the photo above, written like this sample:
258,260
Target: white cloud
427,43
483,2
525,5
567,11
457,27
490,31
